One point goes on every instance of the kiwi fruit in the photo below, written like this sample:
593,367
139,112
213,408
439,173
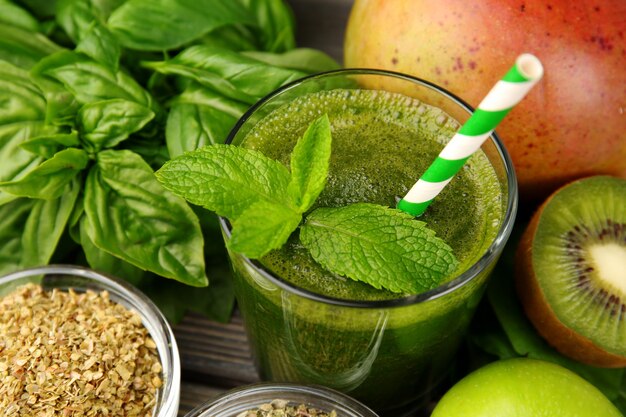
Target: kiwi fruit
571,271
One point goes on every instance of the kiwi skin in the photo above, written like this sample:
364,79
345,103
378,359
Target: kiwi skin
537,309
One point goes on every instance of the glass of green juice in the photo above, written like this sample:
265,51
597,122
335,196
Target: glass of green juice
308,325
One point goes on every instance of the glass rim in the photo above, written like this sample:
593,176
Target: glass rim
460,280
169,396
270,389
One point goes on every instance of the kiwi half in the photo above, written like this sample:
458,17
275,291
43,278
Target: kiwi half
571,271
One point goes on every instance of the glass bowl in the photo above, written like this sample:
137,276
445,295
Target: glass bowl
236,401
78,278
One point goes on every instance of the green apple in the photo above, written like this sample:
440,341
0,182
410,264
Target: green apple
524,387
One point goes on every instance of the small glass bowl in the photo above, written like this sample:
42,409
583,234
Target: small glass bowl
78,278
236,401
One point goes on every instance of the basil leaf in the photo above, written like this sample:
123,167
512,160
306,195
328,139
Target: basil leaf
20,99
307,60
154,154
75,17
41,8
45,225
13,15
106,7
309,164
22,47
47,145
226,179
30,229
199,117
13,217
91,81
262,227
155,25
100,44
83,23
130,215
17,162
102,261
104,124
234,37
61,106
22,113
227,72
380,246
276,23
49,179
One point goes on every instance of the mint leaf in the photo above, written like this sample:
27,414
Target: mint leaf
262,227
226,179
309,164
378,245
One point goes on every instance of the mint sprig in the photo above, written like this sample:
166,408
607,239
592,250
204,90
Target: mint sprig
309,164
262,227
384,247
226,179
262,199
265,202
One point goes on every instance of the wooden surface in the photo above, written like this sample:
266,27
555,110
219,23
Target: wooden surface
215,357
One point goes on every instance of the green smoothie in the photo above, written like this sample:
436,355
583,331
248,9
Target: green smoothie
306,324
381,143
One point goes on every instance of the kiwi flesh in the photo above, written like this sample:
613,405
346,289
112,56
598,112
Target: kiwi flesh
571,271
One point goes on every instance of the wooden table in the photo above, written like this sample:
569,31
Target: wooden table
215,357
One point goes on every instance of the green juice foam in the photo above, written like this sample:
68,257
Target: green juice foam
382,143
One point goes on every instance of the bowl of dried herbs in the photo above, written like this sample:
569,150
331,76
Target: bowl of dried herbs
282,400
74,342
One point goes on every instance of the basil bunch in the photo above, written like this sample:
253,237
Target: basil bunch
97,94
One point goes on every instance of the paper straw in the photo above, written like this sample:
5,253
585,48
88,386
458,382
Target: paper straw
507,92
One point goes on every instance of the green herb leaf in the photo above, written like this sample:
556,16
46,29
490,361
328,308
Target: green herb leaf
75,17
13,15
307,60
227,72
103,261
309,164
22,47
100,44
91,81
83,21
104,124
262,227
30,229
234,37
276,23
130,215
49,179
383,247
47,145
45,226
20,99
156,25
226,179
200,117
13,217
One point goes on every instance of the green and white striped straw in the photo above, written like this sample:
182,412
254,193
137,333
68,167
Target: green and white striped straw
507,92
